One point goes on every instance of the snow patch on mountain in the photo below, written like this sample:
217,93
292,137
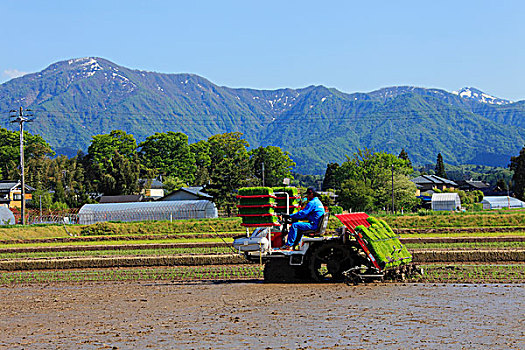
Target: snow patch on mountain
480,96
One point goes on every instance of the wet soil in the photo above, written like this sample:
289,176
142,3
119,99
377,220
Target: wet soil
141,315
74,248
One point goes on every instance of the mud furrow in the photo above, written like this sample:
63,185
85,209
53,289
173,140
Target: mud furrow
74,248
107,262
419,256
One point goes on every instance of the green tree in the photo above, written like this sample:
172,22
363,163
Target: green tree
373,169
172,183
477,196
404,155
517,164
201,154
404,193
170,154
440,167
36,150
300,180
60,193
121,177
356,196
329,181
229,167
367,177
277,165
112,164
103,147
502,185
41,197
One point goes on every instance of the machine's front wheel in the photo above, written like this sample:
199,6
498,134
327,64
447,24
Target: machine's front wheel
329,261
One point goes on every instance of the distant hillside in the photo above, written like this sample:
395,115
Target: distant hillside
76,99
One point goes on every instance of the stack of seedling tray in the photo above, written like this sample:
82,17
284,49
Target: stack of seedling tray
257,206
384,244
281,199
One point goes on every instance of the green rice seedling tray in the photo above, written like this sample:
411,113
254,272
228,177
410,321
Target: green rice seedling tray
384,244
256,211
270,219
255,191
262,201
292,191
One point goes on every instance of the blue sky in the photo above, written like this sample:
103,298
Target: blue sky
354,46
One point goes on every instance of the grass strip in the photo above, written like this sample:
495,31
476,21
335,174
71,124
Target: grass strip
472,273
115,242
120,261
119,252
179,273
453,219
213,236
465,245
479,255
461,234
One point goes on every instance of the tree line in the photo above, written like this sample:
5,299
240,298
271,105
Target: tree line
115,162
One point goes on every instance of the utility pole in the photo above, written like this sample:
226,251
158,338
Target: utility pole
393,208
262,173
21,119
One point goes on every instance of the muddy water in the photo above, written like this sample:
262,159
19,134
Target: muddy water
141,315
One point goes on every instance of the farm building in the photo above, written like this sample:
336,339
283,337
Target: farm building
153,188
11,193
6,216
187,193
141,211
130,198
445,201
499,202
431,182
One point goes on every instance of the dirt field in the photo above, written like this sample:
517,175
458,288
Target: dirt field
139,315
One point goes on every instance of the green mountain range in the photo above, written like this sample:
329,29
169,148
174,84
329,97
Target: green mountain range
76,99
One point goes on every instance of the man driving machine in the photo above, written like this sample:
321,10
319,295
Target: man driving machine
313,212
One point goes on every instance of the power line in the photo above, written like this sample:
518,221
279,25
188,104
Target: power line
210,118
284,113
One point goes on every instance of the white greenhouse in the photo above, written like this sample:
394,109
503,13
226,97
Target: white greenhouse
445,201
6,216
142,211
499,202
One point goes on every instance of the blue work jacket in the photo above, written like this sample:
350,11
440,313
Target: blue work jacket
312,212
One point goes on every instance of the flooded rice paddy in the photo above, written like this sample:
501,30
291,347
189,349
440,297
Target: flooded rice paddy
206,315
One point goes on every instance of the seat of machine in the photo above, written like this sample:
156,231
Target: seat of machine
321,228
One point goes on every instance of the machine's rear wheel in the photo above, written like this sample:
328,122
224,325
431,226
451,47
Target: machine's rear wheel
279,270
330,260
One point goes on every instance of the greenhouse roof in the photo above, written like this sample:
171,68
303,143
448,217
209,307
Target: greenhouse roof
444,197
503,201
6,216
196,204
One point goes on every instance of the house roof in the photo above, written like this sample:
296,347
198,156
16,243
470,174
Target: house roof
475,184
121,199
155,184
8,185
432,180
196,191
